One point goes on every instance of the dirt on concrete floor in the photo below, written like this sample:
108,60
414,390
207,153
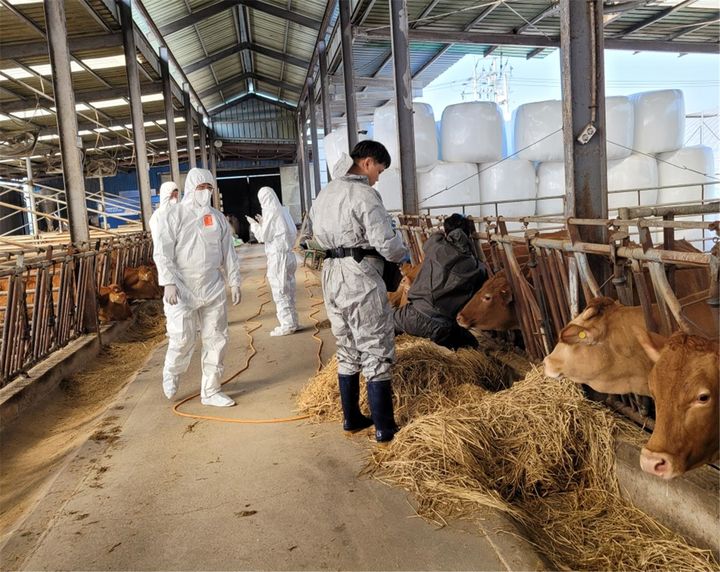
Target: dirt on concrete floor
36,445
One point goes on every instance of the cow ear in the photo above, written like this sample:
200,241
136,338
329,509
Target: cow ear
574,334
506,296
651,342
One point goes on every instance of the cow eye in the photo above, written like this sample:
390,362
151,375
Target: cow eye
487,297
703,398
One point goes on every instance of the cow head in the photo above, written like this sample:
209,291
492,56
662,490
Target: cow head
684,384
116,294
145,273
491,308
599,349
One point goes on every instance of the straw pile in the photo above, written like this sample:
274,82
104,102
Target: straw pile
118,362
425,377
543,454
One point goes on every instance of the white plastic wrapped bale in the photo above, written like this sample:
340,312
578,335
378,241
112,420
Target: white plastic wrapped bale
426,145
684,167
532,123
463,180
390,189
336,143
620,124
472,132
551,182
659,120
510,180
635,172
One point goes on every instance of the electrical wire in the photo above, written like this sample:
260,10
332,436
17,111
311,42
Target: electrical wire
262,291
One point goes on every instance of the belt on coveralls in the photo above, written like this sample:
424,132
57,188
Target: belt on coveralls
357,253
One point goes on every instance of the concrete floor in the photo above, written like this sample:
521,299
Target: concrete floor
154,491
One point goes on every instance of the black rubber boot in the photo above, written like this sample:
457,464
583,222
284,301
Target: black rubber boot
353,419
381,409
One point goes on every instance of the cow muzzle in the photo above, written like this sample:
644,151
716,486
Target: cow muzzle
550,369
658,464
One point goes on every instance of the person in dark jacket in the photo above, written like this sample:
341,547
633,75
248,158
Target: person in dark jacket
449,276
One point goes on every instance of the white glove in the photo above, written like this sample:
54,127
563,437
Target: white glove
171,294
258,218
250,220
236,295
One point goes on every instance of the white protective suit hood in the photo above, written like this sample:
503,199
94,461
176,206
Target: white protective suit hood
166,190
343,165
192,198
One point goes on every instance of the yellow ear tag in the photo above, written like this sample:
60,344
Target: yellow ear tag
582,335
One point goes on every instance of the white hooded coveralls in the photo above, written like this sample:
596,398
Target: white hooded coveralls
194,246
166,190
278,232
350,213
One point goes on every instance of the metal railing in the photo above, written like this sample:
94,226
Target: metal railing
48,295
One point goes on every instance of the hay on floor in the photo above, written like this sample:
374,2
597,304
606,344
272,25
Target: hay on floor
425,377
545,455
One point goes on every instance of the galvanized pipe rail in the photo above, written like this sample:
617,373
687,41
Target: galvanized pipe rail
48,301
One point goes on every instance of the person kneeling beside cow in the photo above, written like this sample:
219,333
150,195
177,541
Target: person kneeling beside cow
448,278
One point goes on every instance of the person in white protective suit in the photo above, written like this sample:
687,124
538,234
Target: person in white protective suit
168,198
193,248
276,229
348,219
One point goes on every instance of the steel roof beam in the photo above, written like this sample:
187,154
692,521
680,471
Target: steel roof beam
550,11
424,14
540,41
222,54
653,19
40,48
250,95
83,97
245,76
714,19
218,7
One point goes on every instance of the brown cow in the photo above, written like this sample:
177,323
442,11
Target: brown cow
600,348
399,298
113,304
684,384
141,283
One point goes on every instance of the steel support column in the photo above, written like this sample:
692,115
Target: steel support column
583,97
304,207
67,122
314,139
30,193
136,110
169,114
404,104
347,60
324,99
189,128
103,204
203,144
304,155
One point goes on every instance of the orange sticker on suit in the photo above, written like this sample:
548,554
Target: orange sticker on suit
208,220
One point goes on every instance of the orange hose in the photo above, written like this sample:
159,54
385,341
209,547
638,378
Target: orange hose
248,332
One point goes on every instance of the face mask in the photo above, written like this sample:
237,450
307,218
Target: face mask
201,198
173,201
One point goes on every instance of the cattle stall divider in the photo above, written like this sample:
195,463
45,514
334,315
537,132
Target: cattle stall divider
48,295
551,279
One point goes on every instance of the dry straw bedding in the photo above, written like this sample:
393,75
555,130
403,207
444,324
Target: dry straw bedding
539,451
